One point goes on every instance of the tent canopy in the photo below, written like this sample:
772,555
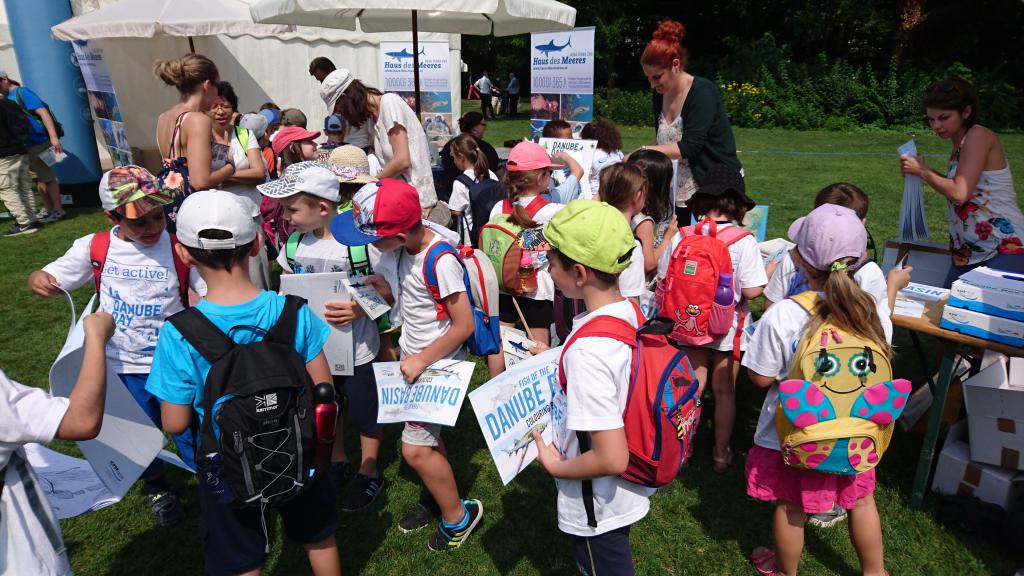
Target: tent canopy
476,17
150,18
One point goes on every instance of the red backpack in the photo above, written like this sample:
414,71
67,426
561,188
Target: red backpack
662,407
100,245
687,292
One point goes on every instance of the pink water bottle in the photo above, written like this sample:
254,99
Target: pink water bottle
724,307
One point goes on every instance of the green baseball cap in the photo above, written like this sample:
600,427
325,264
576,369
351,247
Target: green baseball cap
592,233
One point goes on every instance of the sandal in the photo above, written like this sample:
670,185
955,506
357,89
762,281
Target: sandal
722,464
763,560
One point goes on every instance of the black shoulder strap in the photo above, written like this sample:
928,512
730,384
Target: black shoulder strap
202,334
284,330
583,438
466,180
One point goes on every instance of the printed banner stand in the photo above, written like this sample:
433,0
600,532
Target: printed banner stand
562,79
514,405
396,72
103,101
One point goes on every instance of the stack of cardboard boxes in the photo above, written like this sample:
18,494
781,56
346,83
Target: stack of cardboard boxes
984,456
987,303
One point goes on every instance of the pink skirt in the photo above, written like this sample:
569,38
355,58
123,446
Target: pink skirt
769,479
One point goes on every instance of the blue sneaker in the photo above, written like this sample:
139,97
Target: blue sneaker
450,538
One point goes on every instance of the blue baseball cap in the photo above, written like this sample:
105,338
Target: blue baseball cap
334,123
272,116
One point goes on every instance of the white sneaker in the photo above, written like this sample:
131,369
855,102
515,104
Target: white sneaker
828,519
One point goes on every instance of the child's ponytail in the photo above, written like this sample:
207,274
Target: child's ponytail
845,304
516,184
466,146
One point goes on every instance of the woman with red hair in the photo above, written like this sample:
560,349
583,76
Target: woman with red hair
690,119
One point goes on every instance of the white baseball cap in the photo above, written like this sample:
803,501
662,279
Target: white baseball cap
215,210
334,85
255,123
310,176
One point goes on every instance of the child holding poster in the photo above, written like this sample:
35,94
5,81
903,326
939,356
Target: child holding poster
310,197
590,244
141,282
435,326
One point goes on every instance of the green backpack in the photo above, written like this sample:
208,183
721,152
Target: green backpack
498,240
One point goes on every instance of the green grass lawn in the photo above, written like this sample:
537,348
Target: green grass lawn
704,525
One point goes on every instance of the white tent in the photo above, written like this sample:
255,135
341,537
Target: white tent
261,70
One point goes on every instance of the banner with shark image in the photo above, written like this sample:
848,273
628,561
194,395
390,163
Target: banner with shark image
514,405
562,78
396,73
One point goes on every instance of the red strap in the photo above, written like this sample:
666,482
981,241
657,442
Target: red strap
100,245
98,248
435,289
727,235
182,271
531,209
602,327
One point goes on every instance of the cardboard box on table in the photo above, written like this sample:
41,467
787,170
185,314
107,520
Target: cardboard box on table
957,474
995,414
984,326
990,291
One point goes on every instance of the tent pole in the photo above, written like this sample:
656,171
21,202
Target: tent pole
191,45
416,60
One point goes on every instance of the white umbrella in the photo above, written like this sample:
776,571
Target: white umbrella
150,18
474,17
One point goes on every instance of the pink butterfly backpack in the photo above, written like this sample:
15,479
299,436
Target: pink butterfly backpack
837,409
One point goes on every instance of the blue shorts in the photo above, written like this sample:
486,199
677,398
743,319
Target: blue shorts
136,385
233,539
361,391
608,554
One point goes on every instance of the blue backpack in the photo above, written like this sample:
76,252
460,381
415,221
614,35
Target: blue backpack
481,286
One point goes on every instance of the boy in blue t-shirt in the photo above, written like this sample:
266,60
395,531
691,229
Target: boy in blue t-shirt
218,235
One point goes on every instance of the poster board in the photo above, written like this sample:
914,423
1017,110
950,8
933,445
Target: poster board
396,73
562,78
103,101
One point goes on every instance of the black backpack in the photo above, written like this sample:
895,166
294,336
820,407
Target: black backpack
17,121
259,433
482,198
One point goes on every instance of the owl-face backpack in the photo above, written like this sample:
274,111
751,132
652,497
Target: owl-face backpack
837,410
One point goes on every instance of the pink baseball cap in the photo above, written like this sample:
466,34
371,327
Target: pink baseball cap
289,134
380,209
829,233
529,156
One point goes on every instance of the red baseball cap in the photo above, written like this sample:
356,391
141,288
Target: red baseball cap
289,134
529,156
380,209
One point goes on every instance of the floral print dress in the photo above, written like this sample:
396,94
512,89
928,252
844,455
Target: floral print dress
990,223
671,133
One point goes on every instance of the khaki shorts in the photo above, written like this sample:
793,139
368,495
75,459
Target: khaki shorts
421,434
43,172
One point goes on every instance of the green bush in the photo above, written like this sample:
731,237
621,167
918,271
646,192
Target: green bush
762,89
624,107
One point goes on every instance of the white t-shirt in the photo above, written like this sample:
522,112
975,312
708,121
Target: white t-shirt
769,353
632,280
240,158
483,84
418,309
30,538
314,255
601,161
358,137
139,287
394,111
869,277
747,272
597,373
545,285
459,201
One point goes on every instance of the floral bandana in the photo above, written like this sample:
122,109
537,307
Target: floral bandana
133,192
